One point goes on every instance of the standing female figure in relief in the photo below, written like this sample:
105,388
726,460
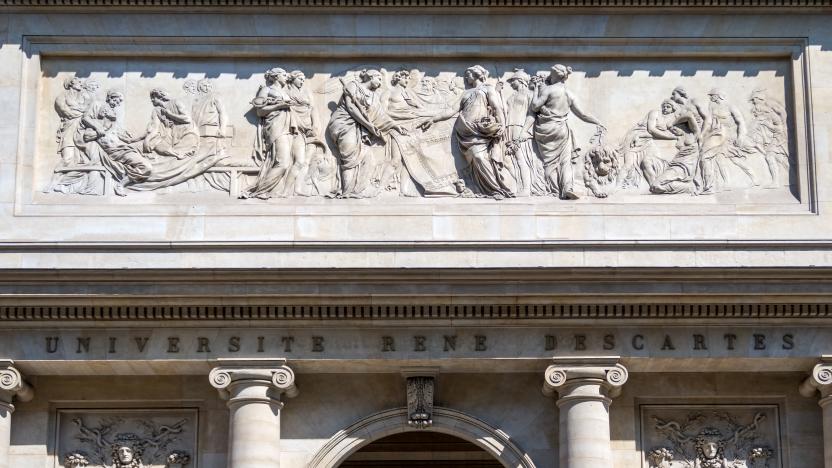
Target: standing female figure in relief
70,107
273,144
678,122
520,146
480,128
551,105
357,127
304,129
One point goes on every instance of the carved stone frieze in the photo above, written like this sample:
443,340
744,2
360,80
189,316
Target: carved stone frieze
374,132
719,436
127,438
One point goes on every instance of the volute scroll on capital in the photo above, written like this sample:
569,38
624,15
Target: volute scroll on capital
820,379
12,384
279,377
610,374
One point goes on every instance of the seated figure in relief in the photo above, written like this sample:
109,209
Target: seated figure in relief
171,131
724,138
680,174
551,106
107,143
359,127
641,159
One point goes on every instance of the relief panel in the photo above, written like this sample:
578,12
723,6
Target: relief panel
711,436
127,438
185,131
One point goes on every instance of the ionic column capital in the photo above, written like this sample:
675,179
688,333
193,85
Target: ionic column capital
241,381
820,380
570,378
12,385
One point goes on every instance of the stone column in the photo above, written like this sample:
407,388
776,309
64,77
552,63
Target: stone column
253,390
821,382
12,386
585,389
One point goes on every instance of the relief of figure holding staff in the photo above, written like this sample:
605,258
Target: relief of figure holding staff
552,104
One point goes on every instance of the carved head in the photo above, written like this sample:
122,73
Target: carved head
604,161
205,86
758,97
91,85
716,95
297,78
159,97
125,455
276,75
371,77
559,73
519,79
74,83
679,95
709,444
114,98
427,84
475,73
669,107
401,78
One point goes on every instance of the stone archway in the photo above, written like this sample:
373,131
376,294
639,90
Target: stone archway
447,421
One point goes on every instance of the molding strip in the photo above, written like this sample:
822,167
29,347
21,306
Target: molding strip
425,3
415,312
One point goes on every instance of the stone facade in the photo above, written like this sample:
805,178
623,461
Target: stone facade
253,234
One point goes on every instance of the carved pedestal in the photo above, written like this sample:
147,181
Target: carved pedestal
585,389
12,386
821,381
253,390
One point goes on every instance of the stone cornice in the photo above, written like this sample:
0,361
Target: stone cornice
468,4
397,312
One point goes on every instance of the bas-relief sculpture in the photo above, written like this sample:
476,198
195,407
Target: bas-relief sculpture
398,133
712,438
122,441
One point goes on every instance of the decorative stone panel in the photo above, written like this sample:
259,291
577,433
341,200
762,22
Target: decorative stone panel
711,436
127,438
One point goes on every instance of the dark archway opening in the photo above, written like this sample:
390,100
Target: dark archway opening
420,449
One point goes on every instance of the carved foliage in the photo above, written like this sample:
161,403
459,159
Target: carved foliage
127,439
711,437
